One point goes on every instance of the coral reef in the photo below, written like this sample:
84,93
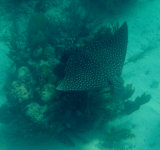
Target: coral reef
20,92
36,112
48,93
37,27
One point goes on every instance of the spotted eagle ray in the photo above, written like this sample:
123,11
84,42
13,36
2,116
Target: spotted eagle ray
97,64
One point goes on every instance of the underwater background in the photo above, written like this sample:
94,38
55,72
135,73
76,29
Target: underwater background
37,39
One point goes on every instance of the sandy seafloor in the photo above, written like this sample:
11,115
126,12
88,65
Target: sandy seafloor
144,74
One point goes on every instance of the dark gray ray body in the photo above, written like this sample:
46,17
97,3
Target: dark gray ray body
98,64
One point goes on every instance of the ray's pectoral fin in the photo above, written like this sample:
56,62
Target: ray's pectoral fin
97,64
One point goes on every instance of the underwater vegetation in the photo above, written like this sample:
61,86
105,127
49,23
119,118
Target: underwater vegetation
62,85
